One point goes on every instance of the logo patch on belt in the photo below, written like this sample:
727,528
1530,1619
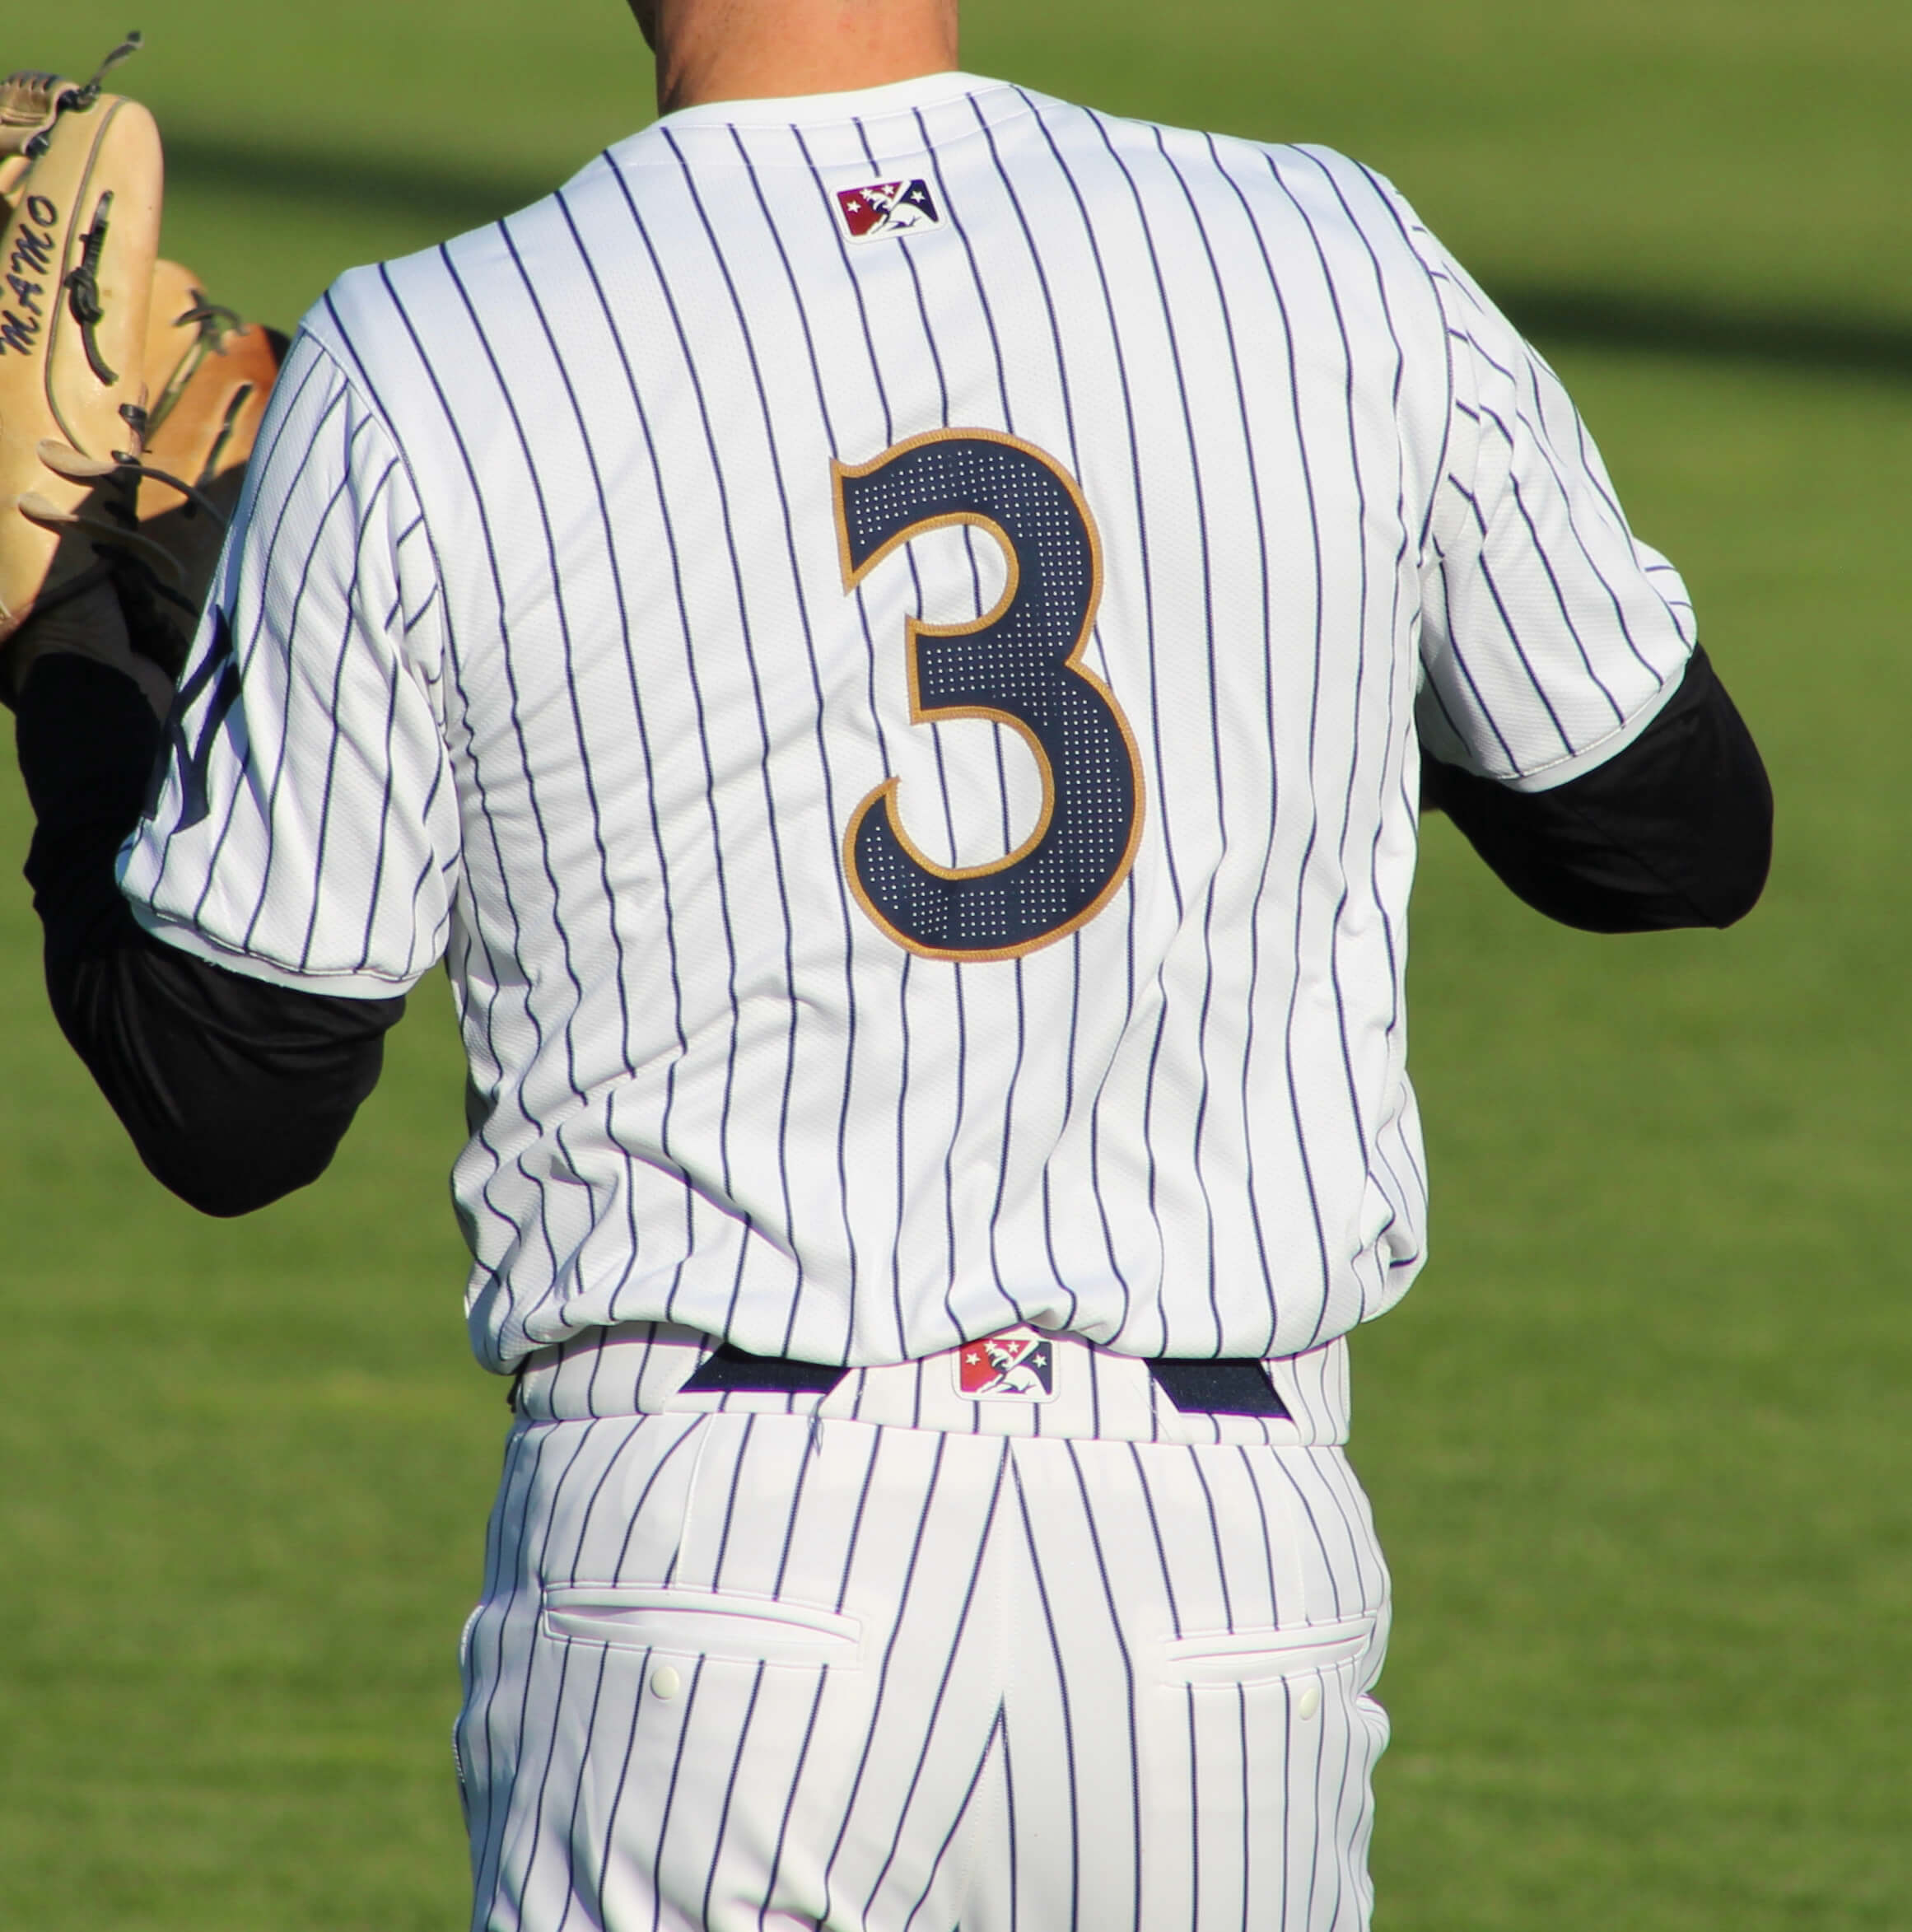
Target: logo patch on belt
1017,1365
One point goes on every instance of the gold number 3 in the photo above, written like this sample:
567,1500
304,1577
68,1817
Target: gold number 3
1020,664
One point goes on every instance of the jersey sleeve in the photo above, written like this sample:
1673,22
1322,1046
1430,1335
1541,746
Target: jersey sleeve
1551,635
303,825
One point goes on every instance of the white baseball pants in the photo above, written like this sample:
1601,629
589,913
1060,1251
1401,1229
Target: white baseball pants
752,1671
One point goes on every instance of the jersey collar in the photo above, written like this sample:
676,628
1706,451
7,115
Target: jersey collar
806,111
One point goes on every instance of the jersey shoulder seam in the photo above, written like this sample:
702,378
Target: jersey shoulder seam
352,374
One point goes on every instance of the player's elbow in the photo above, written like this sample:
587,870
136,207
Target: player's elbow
1675,830
226,1189
234,1092
1743,865
230,1161
1729,831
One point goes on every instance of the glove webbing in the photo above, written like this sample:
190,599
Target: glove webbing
78,100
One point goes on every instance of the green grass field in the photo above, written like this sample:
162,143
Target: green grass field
1638,1440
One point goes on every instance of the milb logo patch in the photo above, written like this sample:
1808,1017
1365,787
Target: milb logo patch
885,208
1017,1365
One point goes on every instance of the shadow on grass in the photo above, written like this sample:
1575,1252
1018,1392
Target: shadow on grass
1580,317
456,198
1691,326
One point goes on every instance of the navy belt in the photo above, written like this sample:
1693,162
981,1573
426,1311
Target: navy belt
1236,1385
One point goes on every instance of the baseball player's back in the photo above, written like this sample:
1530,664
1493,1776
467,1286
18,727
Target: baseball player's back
1211,417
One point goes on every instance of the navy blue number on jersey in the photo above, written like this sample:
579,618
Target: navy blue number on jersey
1020,664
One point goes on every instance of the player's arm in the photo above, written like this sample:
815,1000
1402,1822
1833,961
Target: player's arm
1570,724
234,915
1675,829
234,1092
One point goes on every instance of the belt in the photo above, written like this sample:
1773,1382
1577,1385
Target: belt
1236,1385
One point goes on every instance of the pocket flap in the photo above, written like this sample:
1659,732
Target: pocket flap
1263,1655
701,1623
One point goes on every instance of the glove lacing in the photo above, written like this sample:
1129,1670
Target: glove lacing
78,100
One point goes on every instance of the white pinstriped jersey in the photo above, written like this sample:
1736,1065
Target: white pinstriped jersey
571,633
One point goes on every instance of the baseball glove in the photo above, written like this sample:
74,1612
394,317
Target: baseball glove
128,402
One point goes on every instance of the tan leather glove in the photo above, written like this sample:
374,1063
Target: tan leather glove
128,402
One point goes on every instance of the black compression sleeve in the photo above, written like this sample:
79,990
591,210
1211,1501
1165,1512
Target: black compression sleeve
234,1092
1674,830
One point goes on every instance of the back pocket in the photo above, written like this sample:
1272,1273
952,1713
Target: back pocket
701,1623
1265,1655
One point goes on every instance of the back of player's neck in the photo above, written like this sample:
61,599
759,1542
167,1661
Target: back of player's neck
773,49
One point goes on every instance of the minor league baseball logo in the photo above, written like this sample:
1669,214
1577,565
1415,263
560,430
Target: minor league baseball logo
887,208
1017,1365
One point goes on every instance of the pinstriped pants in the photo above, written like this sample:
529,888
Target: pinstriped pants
768,1671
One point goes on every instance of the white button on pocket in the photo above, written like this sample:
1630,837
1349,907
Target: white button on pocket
1307,1705
665,1683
